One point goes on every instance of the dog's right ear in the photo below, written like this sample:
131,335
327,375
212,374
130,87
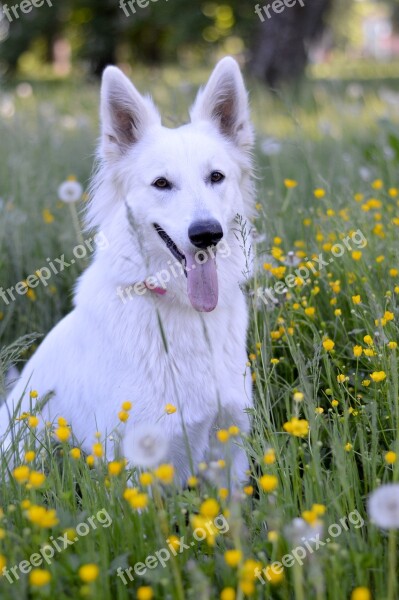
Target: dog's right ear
125,114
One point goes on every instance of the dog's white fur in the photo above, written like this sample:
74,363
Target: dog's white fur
105,351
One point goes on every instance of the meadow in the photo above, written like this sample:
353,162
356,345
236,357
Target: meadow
322,348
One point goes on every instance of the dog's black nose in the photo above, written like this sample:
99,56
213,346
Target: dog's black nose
205,233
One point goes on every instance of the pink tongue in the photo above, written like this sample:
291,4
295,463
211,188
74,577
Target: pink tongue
202,283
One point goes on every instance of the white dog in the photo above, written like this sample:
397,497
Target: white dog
160,316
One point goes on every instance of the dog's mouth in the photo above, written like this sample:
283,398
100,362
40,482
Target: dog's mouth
171,245
200,271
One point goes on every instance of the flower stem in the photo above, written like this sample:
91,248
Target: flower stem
392,565
76,224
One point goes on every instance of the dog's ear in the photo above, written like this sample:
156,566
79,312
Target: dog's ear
224,101
125,114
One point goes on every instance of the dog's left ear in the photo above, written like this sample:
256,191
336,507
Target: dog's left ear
224,101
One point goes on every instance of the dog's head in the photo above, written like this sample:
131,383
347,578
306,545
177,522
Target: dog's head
182,188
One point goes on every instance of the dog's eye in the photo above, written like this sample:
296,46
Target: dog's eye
217,177
162,184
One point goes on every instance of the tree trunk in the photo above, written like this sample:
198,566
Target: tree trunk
281,49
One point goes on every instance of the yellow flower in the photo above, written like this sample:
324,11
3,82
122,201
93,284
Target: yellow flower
210,508
137,500
223,493
146,479
145,593
21,474
378,376
392,345
98,450
272,536
228,593
268,483
297,427
123,416
247,587
361,593
377,184
358,197
270,457
390,457
393,272
165,473
328,344
38,515
33,394
290,183
348,447
62,433
310,311
223,435
366,382
234,430
356,299
127,405
90,460
272,575
47,216
368,340
357,254
33,422
233,557
36,479
115,468
334,403
30,456
342,378
75,453
89,572
319,193
388,316
39,577
298,397
3,562
206,526
357,351
248,490
170,409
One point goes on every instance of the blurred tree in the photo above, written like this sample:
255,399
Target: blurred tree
99,27
282,44
43,26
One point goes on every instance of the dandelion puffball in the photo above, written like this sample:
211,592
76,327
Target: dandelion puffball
383,506
70,191
145,446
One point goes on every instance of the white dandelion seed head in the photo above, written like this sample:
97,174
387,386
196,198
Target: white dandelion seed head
383,506
146,446
70,191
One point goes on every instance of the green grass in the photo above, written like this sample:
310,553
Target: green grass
327,135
